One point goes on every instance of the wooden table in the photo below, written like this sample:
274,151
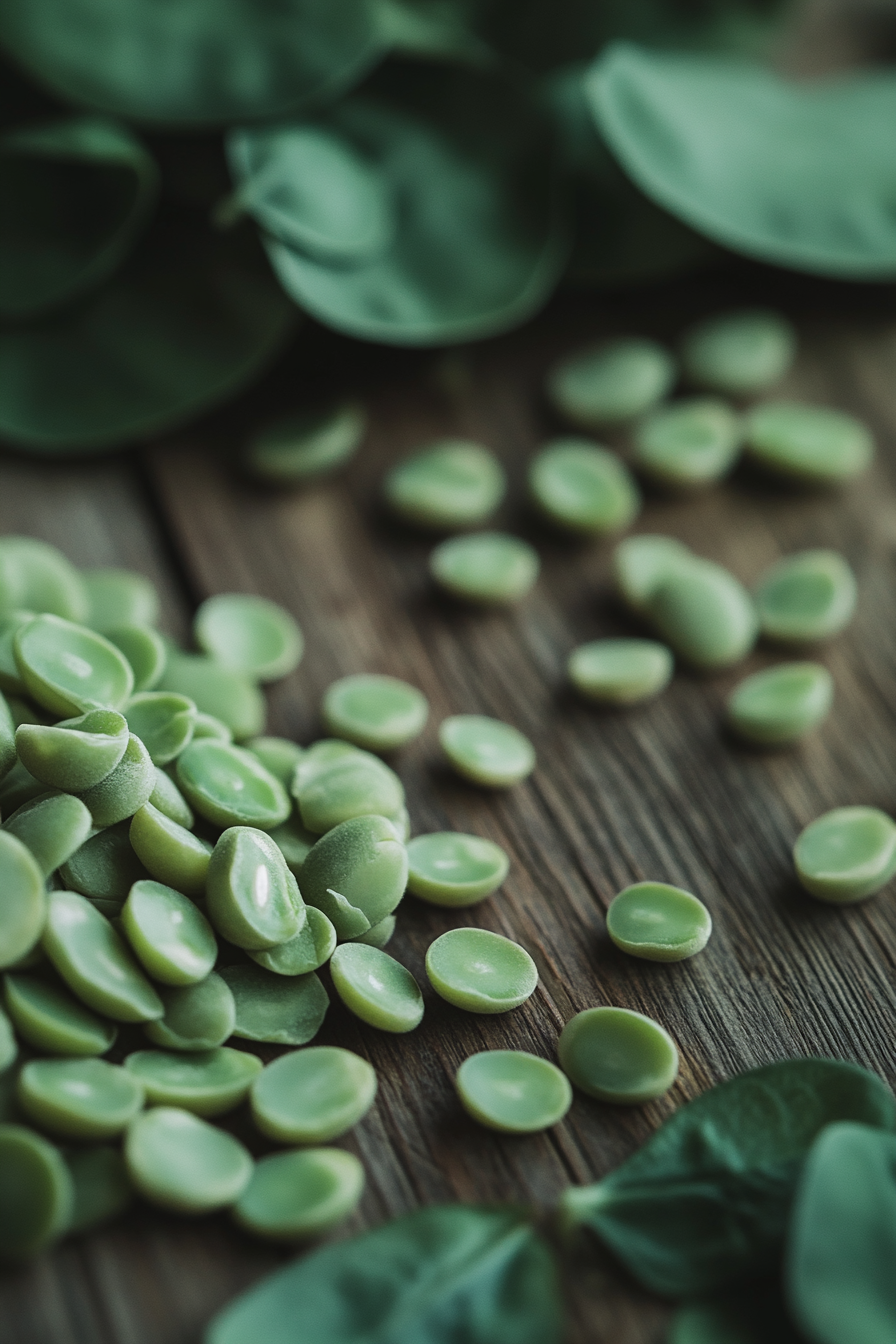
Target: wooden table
653,793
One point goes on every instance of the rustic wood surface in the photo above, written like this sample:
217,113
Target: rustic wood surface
657,792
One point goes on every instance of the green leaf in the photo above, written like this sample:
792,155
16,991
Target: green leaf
469,189
74,195
193,62
841,1262
452,1274
751,1314
800,175
705,1202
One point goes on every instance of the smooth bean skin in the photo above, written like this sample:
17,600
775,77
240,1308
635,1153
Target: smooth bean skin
311,948
480,971
24,901
583,488
451,484
278,755
512,1091
163,721
847,854
489,568
313,1095
79,1098
376,712
486,751
169,852
806,597
53,828
207,725
320,757
451,869
105,867
10,679
378,935
207,1082
688,444
251,896
276,1008
36,576
620,671
356,874
69,669
36,1193
299,1195
95,962
810,444
226,695
170,935
51,1019
358,785
618,1055
195,1017
640,564
144,649
611,383
125,789
230,787
299,448
102,1189
658,922
780,705
183,1163
741,353
705,614
249,635
119,597
76,754
376,988
168,799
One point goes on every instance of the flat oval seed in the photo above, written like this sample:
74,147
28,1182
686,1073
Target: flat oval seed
300,1194
640,564
355,786
806,597
452,869
170,852
231,787
486,750
170,935
610,383
10,677
278,755
208,726
512,1091
378,935
741,353
182,1163
781,704
486,567
688,444
196,1017
705,614
251,895
36,576
617,1055
320,756
94,961
377,712
658,922
376,988
583,488
209,1082
144,649
249,635
480,971
51,1019
105,867
847,854
227,696
74,755
276,1008
102,1189
812,444
69,669
620,671
299,448
79,1098
36,1193
312,1096
53,828
452,484
168,799
311,948
356,874
119,597
125,789
163,721
24,901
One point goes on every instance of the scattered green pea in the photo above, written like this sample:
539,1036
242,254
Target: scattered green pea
618,1055
169,800
125,789
163,721
847,854
641,563
76,754
310,949
376,988
294,842
285,1010
183,1163
170,852
779,705
611,383
102,1188
452,869
620,671
252,897
512,1091
278,755
705,614
690,443
196,1017
69,669
301,447
313,1095
36,1193
356,874
376,712
480,971
811,444
230,787
806,597
658,922
79,1098
144,649
228,697
105,867
51,1019
10,678
9,1048
583,488
52,827
35,576
486,751
249,635
94,961
354,785
490,568
741,353
170,935
452,484
119,597
208,1082
378,935
302,1194
24,901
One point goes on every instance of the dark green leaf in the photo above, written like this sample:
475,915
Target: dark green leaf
841,1262
73,196
193,62
752,1314
705,1202
455,1274
799,175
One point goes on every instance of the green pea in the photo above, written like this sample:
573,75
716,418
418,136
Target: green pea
285,1010
658,922
480,971
810,444
163,721
641,563
9,1048
705,614
278,755
94,961
252,897
781,704
167,798
227,696
452,869
618,1055
490,568
608,384
583,488
170,935
353,786
207,1083
378,935
170,852
620,671
294,842
512,1091
320,756
209,726
24,901
79,1098
144,649
119,597
312,1096
183,1163
52,827
51,1019
17,787
36,1194
76,754
486,750
451,484
806,597
311,948
298,1195
690,443
125,789
231,787
105,867
356,874
741,353
377,712
847,854
249,635
102,1189
7,738
35,576
196,1017
301,447
10,677
69,669
376,988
